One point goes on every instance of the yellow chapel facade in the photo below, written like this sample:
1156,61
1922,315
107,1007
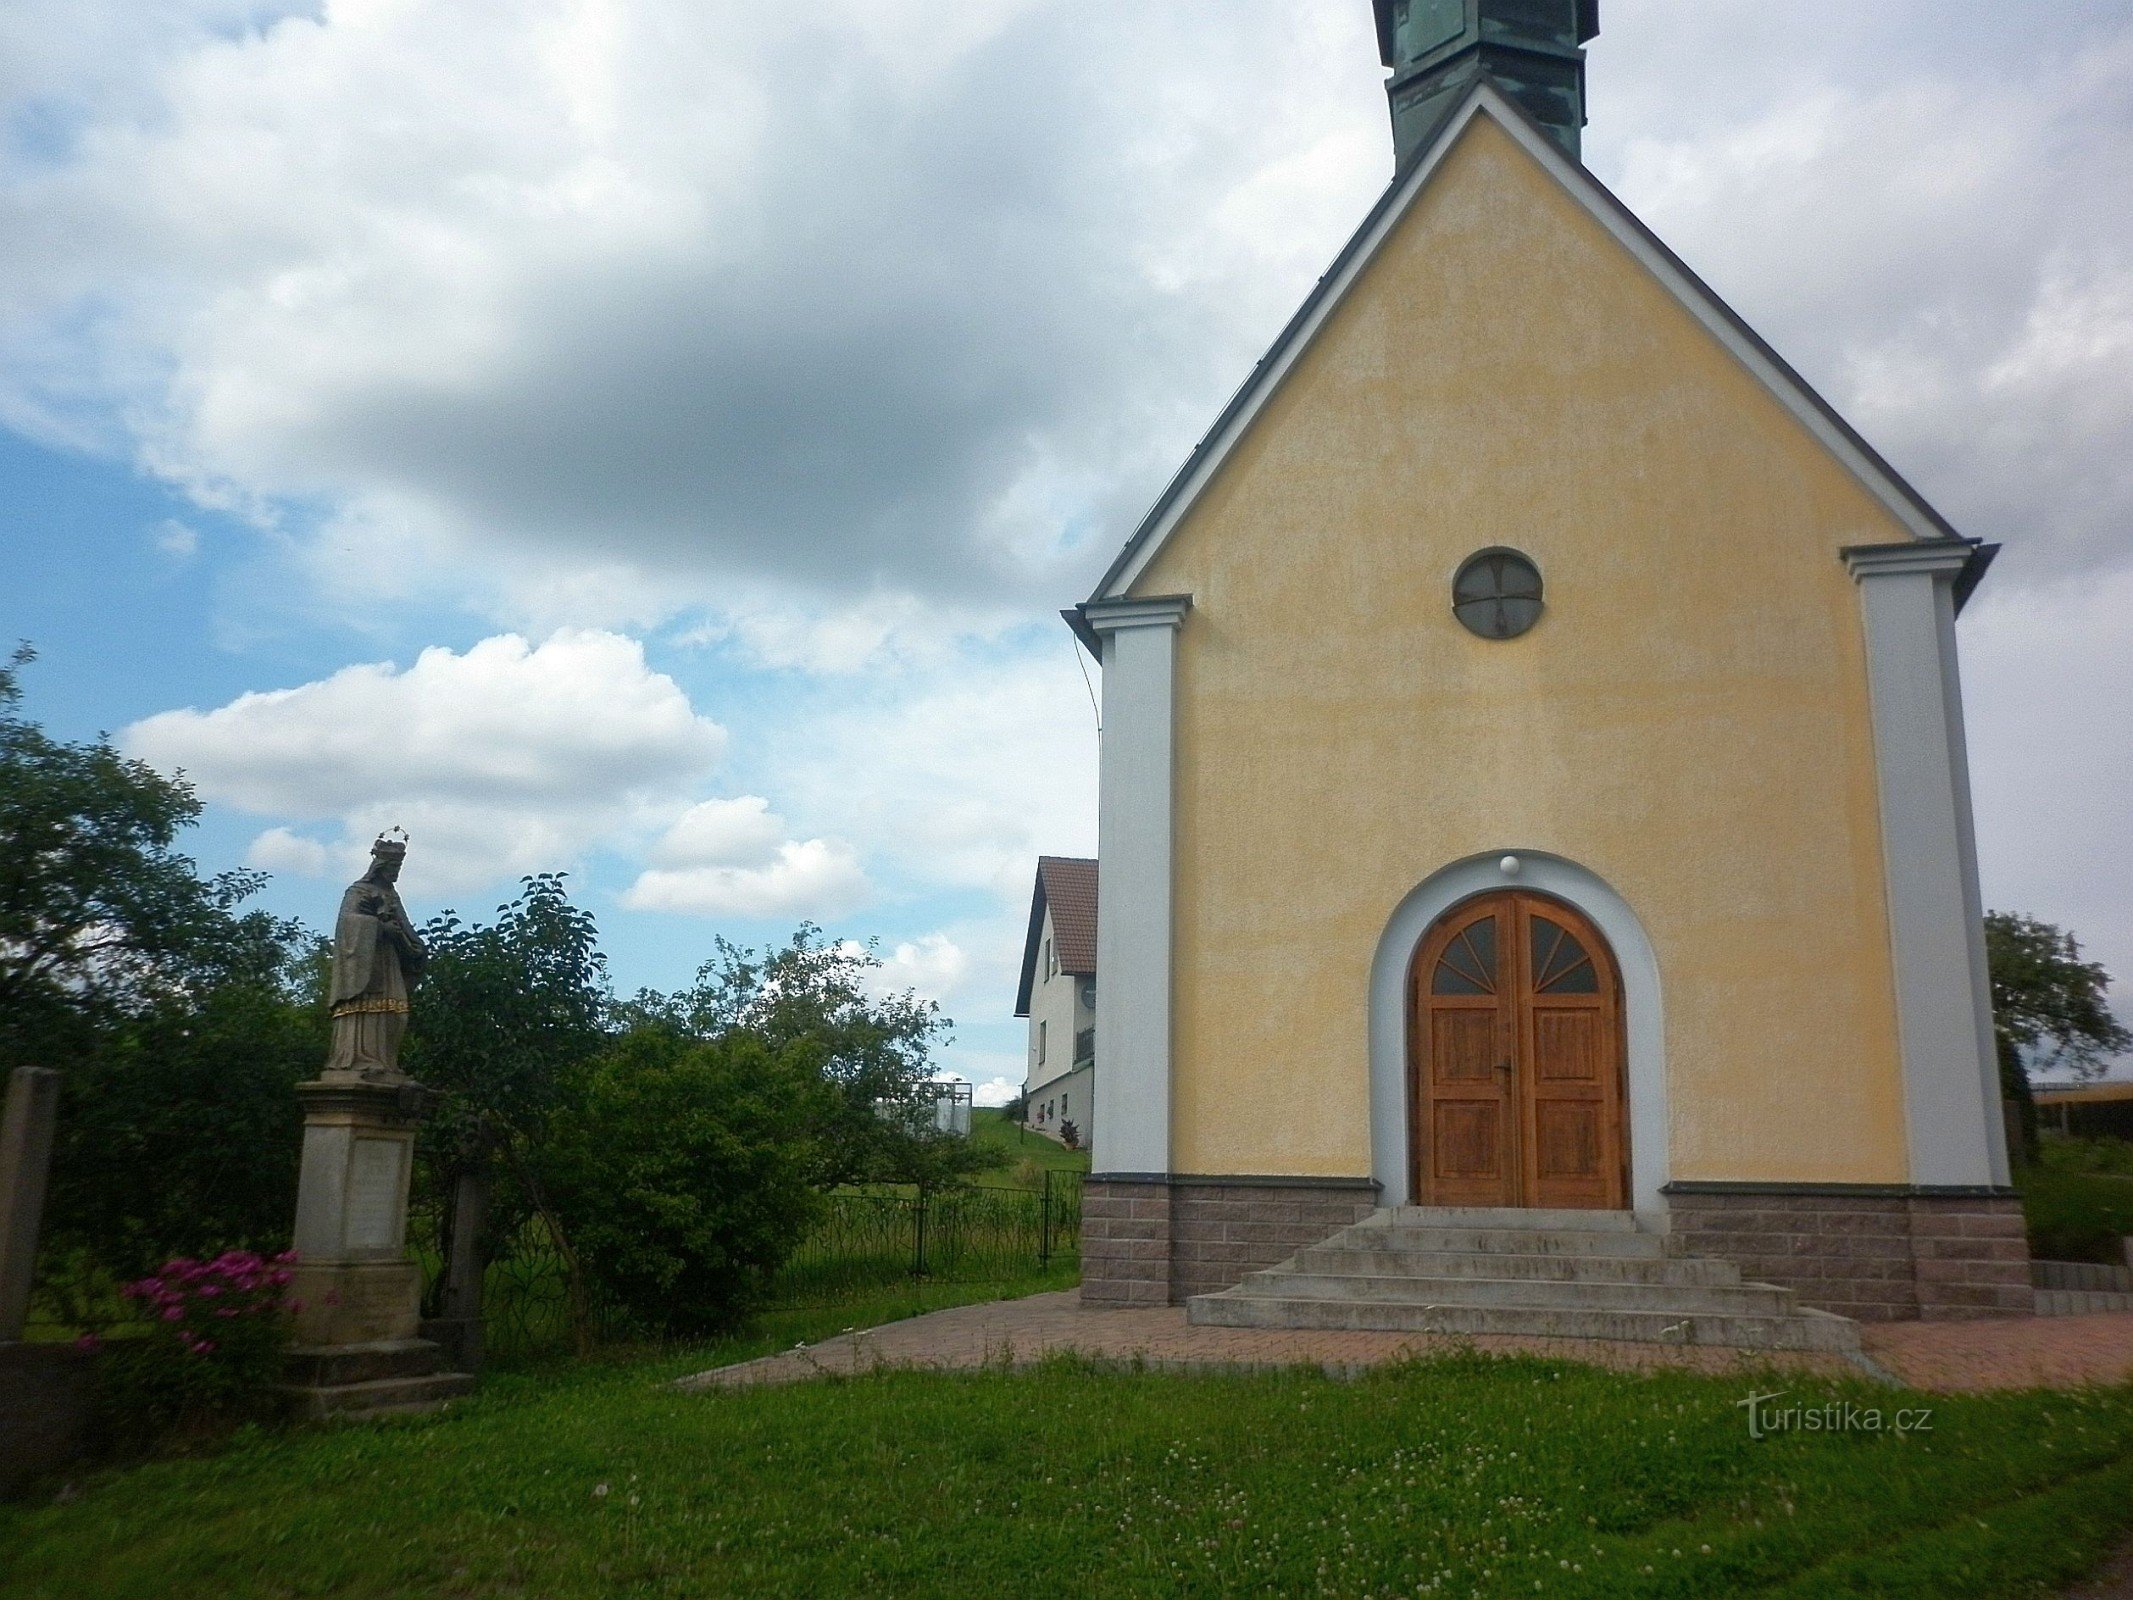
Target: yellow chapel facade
1533,777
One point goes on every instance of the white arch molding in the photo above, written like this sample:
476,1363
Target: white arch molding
1643,1020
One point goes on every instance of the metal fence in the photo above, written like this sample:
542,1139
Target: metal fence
977,1233
973,1233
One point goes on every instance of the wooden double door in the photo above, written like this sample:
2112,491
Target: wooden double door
1515,1059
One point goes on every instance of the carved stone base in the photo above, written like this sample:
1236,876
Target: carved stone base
356,1302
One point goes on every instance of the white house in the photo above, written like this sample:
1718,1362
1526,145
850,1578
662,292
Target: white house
1058,996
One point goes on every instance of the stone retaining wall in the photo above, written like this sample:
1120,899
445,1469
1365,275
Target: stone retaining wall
1879,1255
1158,1240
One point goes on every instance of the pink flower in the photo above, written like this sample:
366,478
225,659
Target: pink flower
204,1347
89,1344
209,1291
173,1313
286,1258
177,1267
293,1307
229,1311
280,1276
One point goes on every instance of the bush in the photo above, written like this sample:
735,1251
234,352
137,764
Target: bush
2078,1199
680,1168
211,1351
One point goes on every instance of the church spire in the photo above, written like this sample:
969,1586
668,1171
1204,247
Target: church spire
1533,50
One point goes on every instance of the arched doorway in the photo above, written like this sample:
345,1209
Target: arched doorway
1515,1059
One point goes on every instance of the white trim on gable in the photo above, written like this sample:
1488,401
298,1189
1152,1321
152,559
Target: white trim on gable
1784,384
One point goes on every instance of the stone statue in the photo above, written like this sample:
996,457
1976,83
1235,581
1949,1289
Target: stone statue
377,962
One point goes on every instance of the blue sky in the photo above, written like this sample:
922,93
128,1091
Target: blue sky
653,438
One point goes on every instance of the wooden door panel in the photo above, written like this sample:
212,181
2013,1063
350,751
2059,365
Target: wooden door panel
1469,1141
1566,1140
1465,1046
1568,1046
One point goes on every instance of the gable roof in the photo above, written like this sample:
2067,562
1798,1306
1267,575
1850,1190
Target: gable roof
1067,885
1792,391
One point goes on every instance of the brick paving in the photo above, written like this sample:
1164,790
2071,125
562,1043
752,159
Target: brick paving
2015,1353
2021,1353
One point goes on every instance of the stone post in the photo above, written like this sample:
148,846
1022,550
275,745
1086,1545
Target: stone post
26,1131
358,1346
459,1326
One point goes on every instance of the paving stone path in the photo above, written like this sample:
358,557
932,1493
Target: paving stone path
2016,1353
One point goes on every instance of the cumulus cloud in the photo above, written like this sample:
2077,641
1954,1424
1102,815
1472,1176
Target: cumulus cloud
1934,221
963,776
508,758
860,300
995,1091
735,858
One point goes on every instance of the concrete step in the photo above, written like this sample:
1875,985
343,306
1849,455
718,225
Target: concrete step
1502,1217
1806,1330
1568,1295
330,1366
379,1396
2081,1302
2089,1276
1687,1270
1499,1241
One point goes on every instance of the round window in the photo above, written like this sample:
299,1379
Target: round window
1497,594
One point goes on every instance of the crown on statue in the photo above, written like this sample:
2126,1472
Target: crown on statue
388,846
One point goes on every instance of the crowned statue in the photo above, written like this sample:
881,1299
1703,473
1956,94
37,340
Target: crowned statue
377,962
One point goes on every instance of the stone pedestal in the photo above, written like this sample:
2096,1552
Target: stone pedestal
357,1347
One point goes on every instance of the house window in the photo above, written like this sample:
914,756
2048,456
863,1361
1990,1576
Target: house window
1042,1029
1063,1099
1051,961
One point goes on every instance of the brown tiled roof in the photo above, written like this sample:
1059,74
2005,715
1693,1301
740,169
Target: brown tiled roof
1067,885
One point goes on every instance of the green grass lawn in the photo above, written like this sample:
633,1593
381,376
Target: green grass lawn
990,1129
1466,1476
2078,1199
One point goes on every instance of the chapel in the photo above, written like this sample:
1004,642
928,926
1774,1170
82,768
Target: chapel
1534,814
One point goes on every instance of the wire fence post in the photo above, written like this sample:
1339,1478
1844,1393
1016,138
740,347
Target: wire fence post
1044,1226
918,1253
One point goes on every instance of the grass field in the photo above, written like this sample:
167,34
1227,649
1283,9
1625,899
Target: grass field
2078,1199
1024,1152
1468,1476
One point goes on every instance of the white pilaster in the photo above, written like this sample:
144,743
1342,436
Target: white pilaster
1133,909
1936,917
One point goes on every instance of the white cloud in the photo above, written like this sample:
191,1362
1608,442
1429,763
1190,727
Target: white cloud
279,850
962,776
995,1091
738,832
737,858
176,539
508,758
2051,758
609,309
814,878
933,967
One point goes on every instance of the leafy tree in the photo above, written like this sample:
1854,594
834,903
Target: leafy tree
683,1167
506,1013
2049,1008
100,917
179,1133
870,1055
